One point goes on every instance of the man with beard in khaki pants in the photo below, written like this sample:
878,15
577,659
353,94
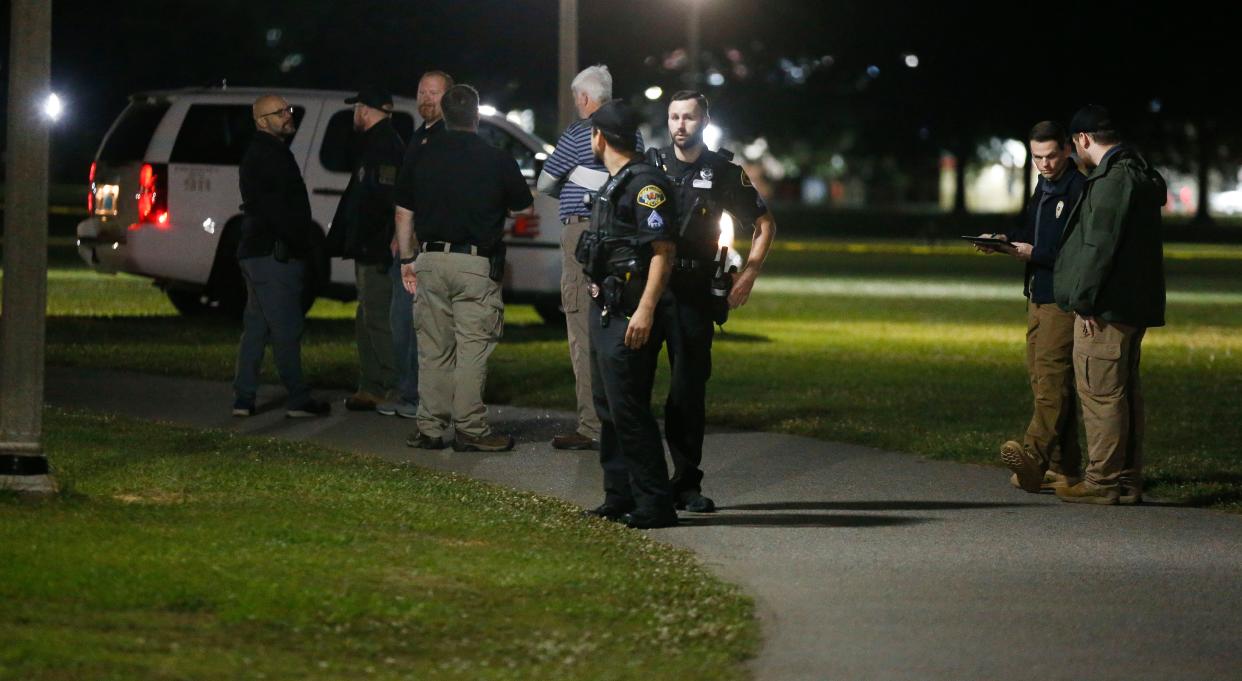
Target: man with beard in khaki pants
1110,274
450,219
1052,433
569,174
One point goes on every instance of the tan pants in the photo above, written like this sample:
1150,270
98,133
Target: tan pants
577,304
458,315
1106,366
377,370
1053,431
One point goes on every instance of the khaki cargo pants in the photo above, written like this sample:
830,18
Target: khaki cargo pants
576,302
1106,366
1053,431
458,315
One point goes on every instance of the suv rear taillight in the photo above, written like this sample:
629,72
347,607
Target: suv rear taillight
524,226
90,193
152,196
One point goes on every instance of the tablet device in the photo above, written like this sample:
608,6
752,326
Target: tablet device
985,240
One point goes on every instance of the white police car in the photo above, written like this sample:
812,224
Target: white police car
164,202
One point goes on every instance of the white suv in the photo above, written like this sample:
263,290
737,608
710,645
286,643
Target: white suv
164,201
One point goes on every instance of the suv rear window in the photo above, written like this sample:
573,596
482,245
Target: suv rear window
340,142
501,139
217,134
132,135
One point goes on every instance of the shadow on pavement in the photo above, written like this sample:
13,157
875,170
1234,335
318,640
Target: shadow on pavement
871,506
796,520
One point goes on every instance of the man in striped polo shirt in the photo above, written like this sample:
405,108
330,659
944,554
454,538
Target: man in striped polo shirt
569,174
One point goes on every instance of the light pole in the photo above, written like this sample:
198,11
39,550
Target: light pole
23,467
692,47
568,63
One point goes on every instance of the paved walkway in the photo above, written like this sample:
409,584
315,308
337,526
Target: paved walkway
865,564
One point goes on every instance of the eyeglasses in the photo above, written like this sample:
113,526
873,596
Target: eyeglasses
286,110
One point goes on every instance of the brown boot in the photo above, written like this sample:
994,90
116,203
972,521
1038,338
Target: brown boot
1052,480
1084,493
486,443
1028,470
362,401
1129,493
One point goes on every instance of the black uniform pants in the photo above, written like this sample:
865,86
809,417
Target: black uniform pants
630,451
688,326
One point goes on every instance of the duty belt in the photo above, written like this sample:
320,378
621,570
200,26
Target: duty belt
575,218
446,247
693,264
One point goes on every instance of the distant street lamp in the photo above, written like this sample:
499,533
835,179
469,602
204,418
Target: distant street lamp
654,92
53,107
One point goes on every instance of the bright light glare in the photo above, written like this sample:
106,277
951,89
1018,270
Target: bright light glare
726,231
654,92
912,60
53,107
711,136
487,110
716,79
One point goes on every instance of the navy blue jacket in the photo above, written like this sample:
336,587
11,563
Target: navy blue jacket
1045,220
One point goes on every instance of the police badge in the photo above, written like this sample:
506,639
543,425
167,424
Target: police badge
706,174
1060,207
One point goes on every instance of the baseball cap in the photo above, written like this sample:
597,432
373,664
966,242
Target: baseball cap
616,117
374,97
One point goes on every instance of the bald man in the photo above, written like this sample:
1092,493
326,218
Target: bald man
277,237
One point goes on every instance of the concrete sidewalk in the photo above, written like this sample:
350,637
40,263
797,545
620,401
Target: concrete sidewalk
865,564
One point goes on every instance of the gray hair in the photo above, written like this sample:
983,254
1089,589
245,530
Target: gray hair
595,82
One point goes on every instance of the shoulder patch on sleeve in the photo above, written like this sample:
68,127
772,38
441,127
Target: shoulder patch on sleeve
655,223
651,196
387,175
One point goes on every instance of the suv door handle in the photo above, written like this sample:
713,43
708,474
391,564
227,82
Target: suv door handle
328,191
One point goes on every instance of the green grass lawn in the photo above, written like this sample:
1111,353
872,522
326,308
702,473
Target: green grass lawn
917,350
186,554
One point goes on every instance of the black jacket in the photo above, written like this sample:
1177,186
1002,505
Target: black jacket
362,228
1046,217
274,201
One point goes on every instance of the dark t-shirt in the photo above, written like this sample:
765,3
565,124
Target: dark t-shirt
460,188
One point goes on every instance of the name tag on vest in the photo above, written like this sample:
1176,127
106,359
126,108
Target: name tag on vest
701,184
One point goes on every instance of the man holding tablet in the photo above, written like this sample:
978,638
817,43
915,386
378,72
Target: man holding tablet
1052,434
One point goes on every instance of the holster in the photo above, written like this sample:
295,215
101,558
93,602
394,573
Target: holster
496,262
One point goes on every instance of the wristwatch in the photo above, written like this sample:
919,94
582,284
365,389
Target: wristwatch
407,261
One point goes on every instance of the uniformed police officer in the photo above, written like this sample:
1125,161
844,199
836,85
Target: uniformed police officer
362,230
628,256
450,223
706,183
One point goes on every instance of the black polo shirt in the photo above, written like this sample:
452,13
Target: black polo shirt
460,189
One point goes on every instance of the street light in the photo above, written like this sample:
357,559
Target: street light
654,92
53,107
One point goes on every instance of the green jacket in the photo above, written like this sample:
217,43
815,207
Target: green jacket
1111,262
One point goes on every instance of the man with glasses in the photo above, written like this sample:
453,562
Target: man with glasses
278,235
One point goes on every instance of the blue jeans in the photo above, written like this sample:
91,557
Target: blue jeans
273,314
404,341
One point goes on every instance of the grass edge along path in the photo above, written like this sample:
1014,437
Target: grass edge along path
181,553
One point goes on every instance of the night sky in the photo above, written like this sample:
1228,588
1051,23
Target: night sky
981,71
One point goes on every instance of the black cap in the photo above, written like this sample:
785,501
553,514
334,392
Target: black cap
374,97
616,117
1091,118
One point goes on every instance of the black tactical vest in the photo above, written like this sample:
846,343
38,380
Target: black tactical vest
620,235
698,208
